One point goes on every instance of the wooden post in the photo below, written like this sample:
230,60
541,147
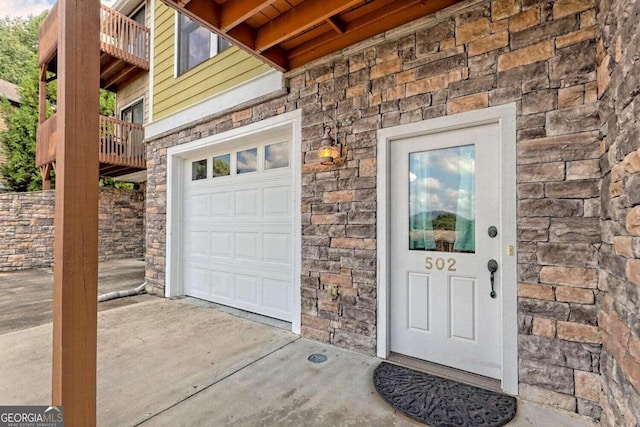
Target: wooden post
42,97
76,220
42,116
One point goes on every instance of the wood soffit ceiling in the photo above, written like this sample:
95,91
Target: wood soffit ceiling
288,34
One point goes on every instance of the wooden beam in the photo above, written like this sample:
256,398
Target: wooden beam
120,76
234,12
76,213
241,35
337,26
276,55
117,170
105,71
299,19
205,10
45,171
398,13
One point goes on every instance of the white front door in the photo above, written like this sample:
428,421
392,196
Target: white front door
445,199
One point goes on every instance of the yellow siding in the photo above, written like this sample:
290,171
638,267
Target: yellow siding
223,71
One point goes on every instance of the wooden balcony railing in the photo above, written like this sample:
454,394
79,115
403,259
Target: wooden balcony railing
48,36
121,143
46,136
124,38
120,37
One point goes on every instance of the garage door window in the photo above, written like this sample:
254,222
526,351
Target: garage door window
222,165
276,156
247,161
199,170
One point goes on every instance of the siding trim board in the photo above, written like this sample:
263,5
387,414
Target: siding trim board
256,87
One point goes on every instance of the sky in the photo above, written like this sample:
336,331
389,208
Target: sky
24,8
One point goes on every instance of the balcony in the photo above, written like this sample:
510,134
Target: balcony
124,44
124,55
122,149
124,47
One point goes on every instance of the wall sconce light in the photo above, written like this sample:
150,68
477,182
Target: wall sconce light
329,150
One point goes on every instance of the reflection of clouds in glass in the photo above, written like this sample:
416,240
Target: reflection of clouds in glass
420,199
459,163
247,160
429,183
440,180
199,46
463,202
456,160
276,155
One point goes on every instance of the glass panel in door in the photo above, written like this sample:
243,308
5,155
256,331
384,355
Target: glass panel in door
442,200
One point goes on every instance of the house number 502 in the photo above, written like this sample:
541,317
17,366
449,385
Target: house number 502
440,263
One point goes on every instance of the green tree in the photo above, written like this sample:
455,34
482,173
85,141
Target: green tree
445,222
107,103
18,64
19,47
19,140
220,168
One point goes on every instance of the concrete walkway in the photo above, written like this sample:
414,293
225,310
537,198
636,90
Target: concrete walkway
183,363
26,296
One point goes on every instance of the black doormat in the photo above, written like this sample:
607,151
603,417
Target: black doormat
439,402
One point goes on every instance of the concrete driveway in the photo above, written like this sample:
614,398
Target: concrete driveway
187,363
26,296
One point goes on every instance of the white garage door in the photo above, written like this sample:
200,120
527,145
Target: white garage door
238,228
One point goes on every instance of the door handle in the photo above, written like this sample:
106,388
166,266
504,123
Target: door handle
492,265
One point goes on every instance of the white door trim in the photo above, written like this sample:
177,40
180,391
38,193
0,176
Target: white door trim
289,123
505,116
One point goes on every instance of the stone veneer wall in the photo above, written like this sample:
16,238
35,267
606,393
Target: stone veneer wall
26,221
540,54
619,281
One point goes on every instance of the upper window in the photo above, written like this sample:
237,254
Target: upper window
196,44
139,15
133,113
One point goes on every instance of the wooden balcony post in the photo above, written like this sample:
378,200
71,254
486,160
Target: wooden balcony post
42,116
42,94
76,220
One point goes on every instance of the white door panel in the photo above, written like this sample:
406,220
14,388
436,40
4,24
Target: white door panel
445,189
237,235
